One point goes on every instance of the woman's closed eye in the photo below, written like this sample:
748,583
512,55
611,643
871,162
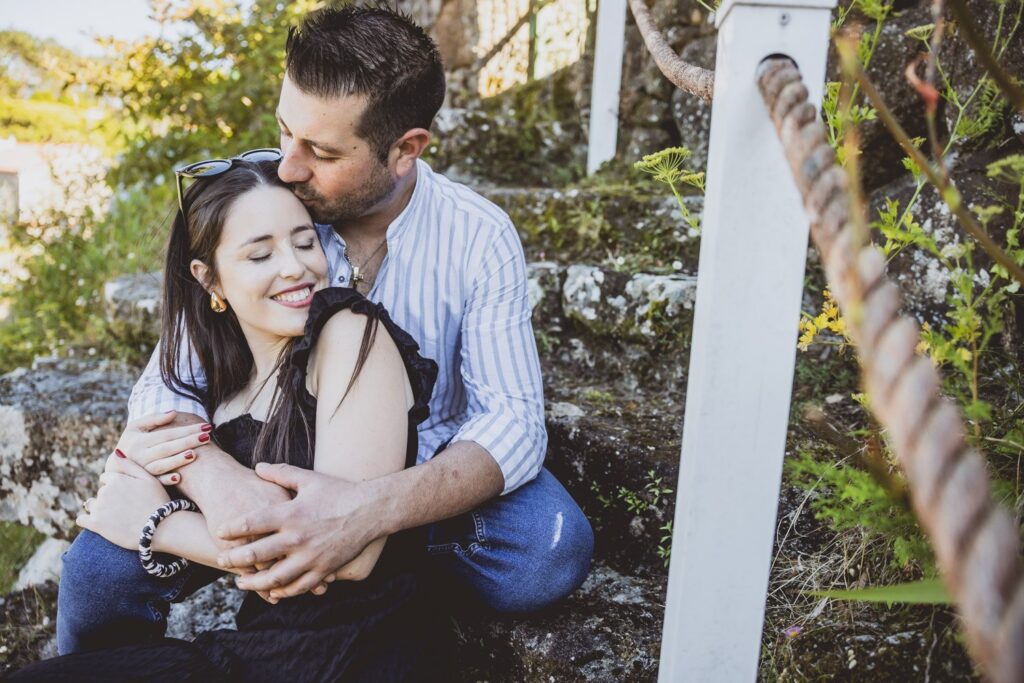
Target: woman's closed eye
306,246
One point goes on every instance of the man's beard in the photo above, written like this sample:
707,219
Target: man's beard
378,186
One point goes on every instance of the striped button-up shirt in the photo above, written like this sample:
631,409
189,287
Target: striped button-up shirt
454,278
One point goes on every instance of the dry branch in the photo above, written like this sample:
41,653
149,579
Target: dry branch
685,76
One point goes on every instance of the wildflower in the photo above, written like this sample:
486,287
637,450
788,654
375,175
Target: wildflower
807,330
666,165
793,631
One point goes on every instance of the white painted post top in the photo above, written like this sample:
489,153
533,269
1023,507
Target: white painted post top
727,5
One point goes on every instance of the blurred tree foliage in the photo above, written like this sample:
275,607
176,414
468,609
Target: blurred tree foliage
209,90
39,99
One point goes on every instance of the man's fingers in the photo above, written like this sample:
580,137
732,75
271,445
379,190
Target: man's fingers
256,523
310,581
256,554
288,476
283,573
165,465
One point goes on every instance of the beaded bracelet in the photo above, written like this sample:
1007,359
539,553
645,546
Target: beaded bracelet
160,569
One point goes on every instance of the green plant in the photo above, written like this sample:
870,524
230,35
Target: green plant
65,260
665,542
923,592
666,167
17,543
851,498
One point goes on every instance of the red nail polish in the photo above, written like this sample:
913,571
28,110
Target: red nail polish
204,437
119,453
175,478
207,428
190,455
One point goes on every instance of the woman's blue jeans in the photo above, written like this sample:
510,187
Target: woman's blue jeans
515,554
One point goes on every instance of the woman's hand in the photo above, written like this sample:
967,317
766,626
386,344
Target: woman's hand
161,450
128,495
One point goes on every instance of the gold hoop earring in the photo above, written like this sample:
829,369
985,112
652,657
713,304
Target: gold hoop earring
217,304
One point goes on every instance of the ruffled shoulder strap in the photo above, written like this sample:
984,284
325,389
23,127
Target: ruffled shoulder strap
326,302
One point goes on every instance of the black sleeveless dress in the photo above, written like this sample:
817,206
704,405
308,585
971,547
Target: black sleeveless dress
379,629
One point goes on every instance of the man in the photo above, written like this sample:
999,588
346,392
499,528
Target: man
360,91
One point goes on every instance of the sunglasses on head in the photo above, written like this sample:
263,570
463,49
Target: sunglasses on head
212,167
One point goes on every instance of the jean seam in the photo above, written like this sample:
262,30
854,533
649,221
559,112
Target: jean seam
445,548
481,536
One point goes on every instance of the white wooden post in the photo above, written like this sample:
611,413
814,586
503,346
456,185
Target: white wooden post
749,284
606,81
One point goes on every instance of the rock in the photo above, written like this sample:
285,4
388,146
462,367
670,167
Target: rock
212,607
532,134
691,114
923,280
44,565
592,225
608,630
881,157
636,307
561,410
644,140
132,304
964,71
544,289
58,423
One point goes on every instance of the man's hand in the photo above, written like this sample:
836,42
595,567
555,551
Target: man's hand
326,525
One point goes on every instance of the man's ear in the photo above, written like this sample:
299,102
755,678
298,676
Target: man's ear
201,272
407,149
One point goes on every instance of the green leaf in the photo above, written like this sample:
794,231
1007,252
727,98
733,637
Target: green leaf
923,592
978,411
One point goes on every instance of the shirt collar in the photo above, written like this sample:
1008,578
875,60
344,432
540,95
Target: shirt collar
406,219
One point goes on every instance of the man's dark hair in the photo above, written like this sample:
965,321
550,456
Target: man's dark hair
374,52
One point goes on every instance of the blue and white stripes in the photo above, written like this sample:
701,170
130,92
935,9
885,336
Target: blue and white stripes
455,279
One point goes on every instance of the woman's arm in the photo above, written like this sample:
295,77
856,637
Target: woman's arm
184,534
364,436
128,494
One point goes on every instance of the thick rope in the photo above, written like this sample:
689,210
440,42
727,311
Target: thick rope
975,540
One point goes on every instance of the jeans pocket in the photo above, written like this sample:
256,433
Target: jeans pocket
460,535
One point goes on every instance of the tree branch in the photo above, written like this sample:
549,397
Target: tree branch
685,76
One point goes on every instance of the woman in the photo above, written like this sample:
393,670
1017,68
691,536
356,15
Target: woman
296,373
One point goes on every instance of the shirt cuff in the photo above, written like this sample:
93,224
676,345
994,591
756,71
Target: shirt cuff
164,403
516,445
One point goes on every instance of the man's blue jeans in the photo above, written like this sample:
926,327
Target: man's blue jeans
517,553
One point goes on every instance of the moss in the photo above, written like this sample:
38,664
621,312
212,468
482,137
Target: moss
17,543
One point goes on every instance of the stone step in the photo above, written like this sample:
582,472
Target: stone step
634,228
58,422
608,630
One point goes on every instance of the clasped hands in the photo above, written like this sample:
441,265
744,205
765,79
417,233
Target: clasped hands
298,529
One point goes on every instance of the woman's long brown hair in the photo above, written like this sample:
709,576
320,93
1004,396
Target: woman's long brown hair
216,340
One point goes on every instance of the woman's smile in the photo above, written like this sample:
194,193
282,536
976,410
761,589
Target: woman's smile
299,296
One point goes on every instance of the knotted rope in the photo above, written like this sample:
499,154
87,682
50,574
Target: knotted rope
975,540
